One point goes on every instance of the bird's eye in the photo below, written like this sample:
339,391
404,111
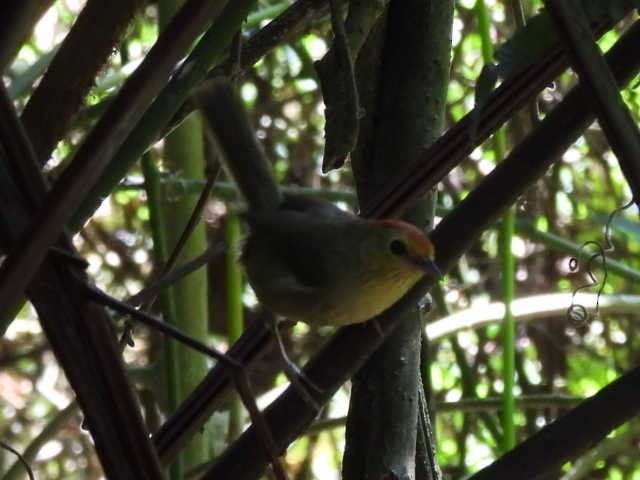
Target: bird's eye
398,247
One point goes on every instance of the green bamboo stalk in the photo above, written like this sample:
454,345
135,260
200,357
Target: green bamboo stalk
167,304
184,156
505,253
235,320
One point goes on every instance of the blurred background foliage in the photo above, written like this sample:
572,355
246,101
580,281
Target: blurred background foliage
557,361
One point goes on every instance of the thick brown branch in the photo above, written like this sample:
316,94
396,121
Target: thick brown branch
79,333
72,71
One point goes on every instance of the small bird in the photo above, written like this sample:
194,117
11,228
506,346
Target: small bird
305,258
308,260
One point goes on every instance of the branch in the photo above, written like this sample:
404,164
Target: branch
95,153
458,142
571,435
289,415
613,115
72,71
79,334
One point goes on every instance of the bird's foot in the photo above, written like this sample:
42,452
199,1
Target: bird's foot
377,326
303,384
296,377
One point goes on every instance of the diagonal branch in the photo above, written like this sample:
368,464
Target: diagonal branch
458,142
79,333
614,116
72,71
101,144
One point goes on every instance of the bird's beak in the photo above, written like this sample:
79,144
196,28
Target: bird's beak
429,266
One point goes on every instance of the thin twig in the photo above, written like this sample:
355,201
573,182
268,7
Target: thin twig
264,432
165,281
21,459
107,300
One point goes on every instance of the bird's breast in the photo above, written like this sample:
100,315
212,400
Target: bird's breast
347,304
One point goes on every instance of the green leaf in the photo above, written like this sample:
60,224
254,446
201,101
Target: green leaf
484,86
527,45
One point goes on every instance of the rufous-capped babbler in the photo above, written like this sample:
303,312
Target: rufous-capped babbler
305,258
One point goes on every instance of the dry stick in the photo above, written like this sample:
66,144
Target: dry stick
239,374
101,144
447,152
613,115
351,346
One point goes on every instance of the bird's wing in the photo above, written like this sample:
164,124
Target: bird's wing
303,241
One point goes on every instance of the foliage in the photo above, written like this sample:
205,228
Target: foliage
555,359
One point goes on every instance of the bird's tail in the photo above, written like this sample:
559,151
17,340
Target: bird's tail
244,158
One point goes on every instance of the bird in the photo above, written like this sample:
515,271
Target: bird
306,259
310,261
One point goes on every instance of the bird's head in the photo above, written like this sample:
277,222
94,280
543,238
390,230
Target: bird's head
409,244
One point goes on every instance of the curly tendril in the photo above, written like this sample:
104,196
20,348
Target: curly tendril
577,314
